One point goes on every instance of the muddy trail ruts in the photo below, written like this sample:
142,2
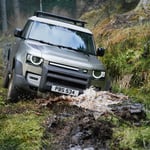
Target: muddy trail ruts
75,128
71,127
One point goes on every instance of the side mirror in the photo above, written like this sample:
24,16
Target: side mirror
17,32
100,51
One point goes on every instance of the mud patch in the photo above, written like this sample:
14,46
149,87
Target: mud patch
129,111
74,128
80,123
98,102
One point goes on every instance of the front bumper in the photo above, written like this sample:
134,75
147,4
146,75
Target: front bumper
48,76
56,76
53,76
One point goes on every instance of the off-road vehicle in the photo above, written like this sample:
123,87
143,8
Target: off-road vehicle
53,54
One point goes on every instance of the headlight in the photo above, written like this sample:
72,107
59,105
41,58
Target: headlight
97,74
35,60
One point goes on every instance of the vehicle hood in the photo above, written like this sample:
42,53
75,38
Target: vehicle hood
64,56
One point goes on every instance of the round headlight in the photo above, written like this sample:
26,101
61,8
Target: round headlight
35,60
97,74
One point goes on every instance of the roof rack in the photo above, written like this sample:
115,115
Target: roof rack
74,21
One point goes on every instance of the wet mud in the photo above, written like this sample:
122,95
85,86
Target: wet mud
74,127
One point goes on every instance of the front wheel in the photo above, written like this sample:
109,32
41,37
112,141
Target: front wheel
12,94
6,77
6,80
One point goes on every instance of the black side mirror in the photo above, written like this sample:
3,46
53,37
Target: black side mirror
17,32
100,51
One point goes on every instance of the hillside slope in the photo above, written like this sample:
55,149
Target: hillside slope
126,36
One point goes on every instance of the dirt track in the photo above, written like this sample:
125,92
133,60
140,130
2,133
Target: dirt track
73,127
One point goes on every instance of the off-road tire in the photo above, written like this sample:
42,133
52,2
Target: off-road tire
5,79
12,94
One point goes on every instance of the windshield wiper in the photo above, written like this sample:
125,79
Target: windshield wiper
44,42
47,43
70,48
76,50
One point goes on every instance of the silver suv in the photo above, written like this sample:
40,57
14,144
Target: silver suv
53,54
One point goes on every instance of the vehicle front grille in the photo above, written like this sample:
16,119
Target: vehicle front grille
55,75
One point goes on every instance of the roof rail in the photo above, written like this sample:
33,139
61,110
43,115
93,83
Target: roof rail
74,21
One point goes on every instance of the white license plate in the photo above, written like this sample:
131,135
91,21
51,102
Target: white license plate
64,90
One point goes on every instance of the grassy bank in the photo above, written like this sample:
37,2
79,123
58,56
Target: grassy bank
127,59
21,124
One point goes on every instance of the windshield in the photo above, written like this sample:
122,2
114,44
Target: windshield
62,36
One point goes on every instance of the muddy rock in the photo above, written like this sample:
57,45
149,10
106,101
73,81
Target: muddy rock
133,112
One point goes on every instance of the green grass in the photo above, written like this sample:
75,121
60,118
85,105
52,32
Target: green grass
128,136
124,56
21,124
135,138
20,131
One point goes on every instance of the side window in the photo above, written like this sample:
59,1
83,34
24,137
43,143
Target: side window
26,29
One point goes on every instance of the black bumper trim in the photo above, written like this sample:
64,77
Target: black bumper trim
52,75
